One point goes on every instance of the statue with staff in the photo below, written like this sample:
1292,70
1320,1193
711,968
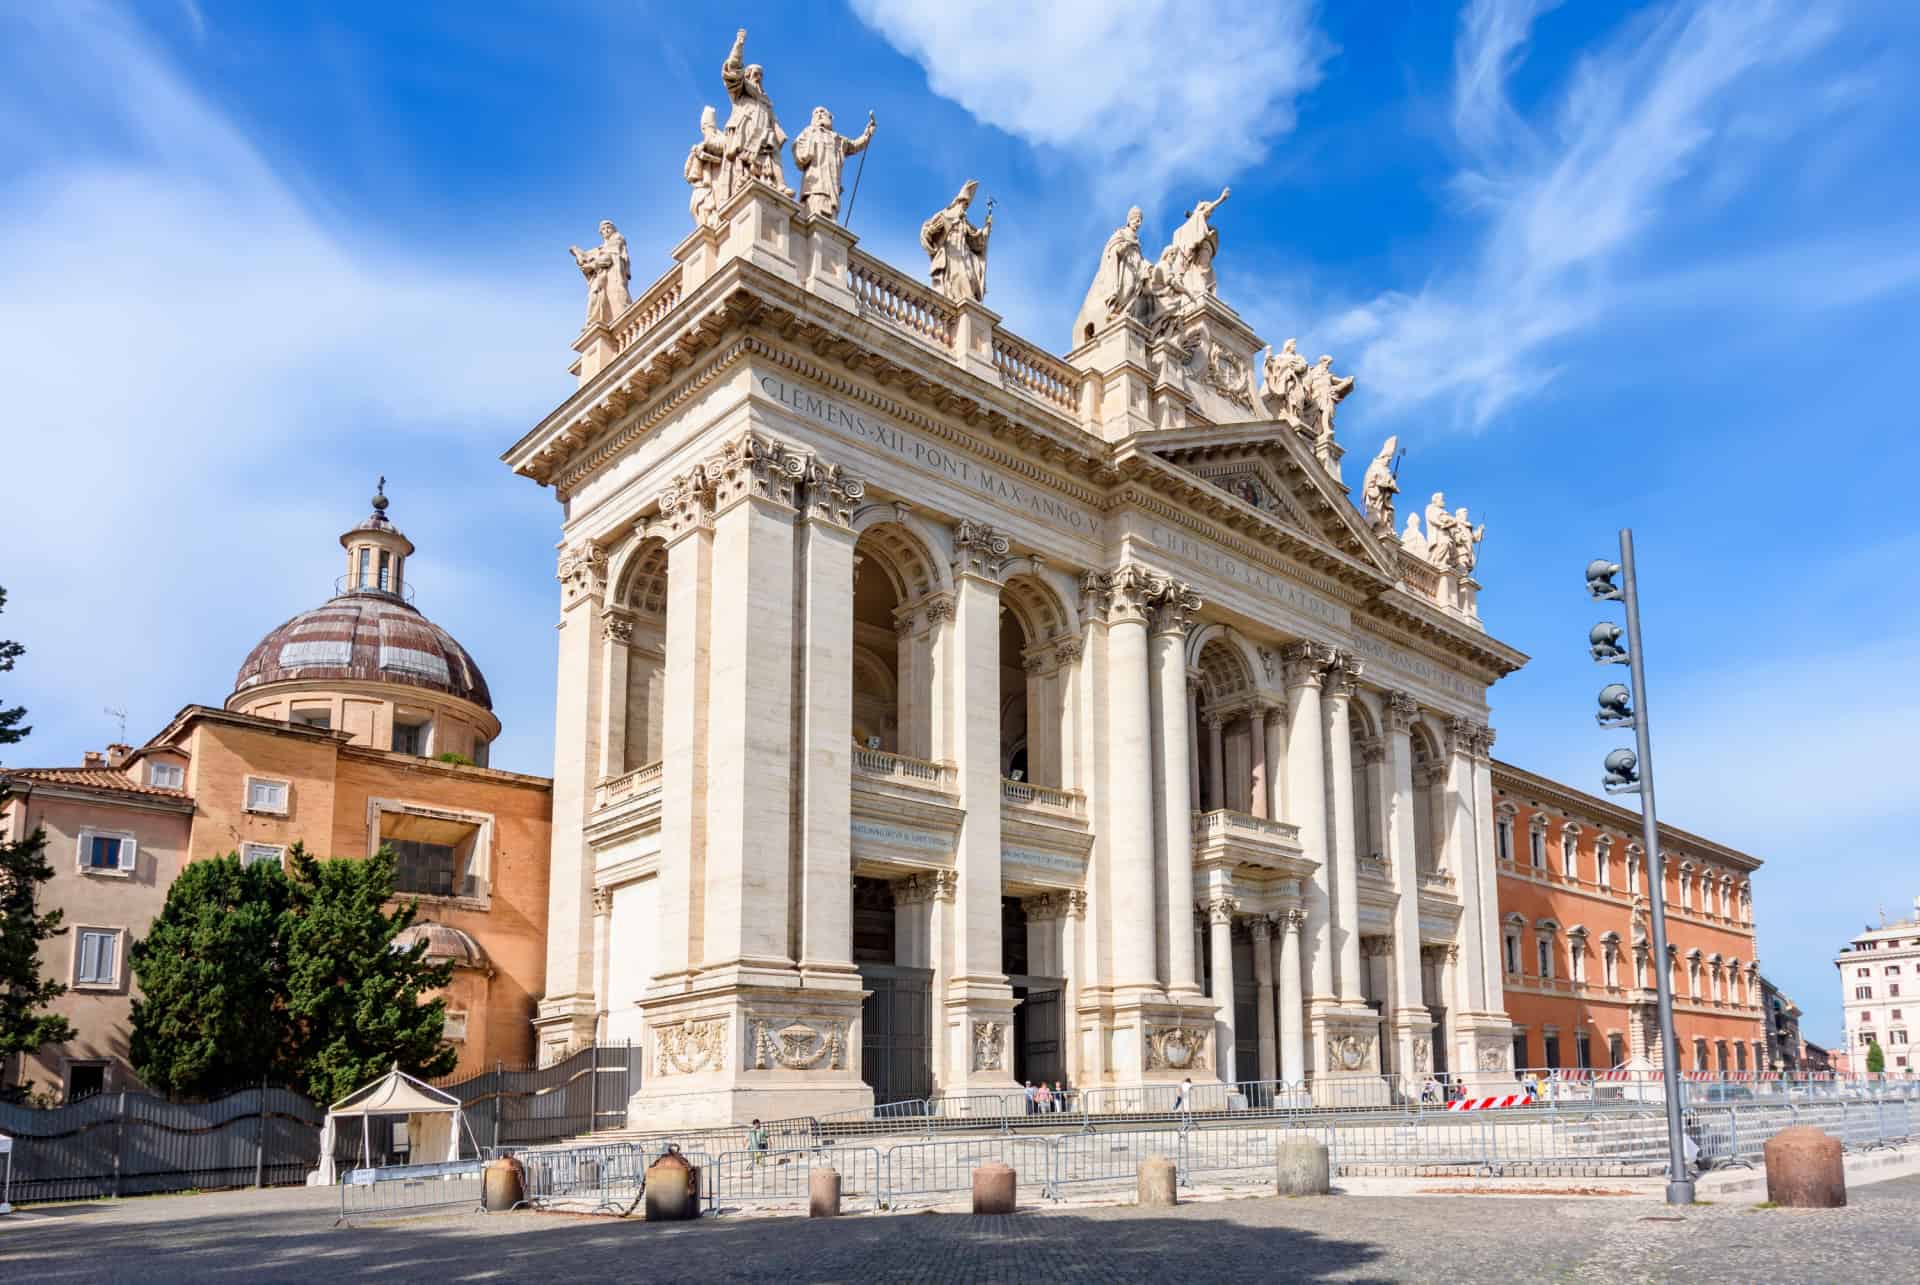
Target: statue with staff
821,156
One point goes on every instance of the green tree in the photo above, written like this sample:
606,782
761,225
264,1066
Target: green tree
1876,1059
24,994
212,976
353,1001
10,730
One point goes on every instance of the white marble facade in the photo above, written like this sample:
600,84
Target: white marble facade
857,584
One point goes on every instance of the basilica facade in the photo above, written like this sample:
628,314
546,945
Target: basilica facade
937,713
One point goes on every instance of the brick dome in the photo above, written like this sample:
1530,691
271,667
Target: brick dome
365,635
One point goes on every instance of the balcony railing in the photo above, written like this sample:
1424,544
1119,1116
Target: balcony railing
1038,372
1438,879
1027,794
618,789
1372,863
660,299
898,767
1223,820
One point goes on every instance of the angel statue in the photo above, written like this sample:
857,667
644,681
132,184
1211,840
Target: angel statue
1378,488
607,272
956,249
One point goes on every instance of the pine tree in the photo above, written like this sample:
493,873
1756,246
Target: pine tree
212,978
24,994
10,730
353,1001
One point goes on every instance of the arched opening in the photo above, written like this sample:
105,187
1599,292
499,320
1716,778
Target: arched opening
1226,734
1369,767
1429,791
1032,683
641,602
893,632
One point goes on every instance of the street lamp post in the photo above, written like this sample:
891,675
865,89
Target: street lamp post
1628,772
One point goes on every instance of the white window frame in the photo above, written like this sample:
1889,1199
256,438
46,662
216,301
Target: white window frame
454,1028
129,853
1543,955
176,773
1603,862
1570,852
81,933
286,796
256,853
1537,845
1503,836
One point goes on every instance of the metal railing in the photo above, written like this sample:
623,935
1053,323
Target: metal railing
408,1189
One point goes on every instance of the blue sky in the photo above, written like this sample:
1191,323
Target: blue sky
1597,265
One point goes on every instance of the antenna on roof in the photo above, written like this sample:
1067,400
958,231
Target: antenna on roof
121,714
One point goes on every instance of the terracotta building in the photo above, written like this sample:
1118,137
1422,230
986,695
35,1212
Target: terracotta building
1574,935
352,725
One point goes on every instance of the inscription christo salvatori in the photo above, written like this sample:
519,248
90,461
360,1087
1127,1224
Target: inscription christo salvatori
1232,568
930,456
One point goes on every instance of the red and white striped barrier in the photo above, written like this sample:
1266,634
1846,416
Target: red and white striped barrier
1491,1104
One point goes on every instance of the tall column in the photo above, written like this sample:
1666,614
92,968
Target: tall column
1262,929
1257,748
566,1011
1346,927
1479,948
1129,832
1220,910
602,925
1193,737
978,998
1306,794
612,716
684,727
1276,763
910,703
1480,749
824,923
1071,678
1216,763
1293,1056
1411,1020
750,712
1074,965
1174,605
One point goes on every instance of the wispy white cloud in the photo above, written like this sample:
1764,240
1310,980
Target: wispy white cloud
1147,92
1572,204
192,362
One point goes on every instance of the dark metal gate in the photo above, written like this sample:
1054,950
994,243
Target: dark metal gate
1037,1028
896,1042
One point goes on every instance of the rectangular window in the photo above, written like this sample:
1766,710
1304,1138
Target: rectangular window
1537,849
1699,1055
409,738
1519,1049
1513,955
1553,1051
266,796
253,854
1893,970
85,1079
1896,1037
1570,856
320,716
366,570
1893,990
1603,866
424,869
1544,952
1503,838
1894,1016
166,776
479,752
1616,1050
386,570
1863,972
1633,875
103,853
96,957
1583,1052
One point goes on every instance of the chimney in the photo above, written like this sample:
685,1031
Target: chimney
93,758
117,754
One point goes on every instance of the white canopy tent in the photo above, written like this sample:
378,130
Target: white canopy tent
434,1121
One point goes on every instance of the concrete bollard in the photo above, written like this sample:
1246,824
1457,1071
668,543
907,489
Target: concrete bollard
1805,1170
1158,1187
823,1193
993,1189
1301,1169
502,1185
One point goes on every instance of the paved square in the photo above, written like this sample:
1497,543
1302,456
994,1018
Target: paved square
288,1236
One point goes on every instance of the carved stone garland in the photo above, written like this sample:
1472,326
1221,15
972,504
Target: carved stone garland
691,1047
797,1046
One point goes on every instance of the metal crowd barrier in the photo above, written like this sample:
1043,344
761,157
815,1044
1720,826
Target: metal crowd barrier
409,1189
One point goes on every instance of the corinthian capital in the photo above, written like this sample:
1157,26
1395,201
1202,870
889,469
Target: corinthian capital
1402,710
1343,675
687,503
979,550
831,492
1307,663
582,571
755,466
1222,907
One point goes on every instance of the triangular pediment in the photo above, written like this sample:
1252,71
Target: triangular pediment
1266,466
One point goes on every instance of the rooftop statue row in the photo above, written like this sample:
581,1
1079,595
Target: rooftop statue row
1451,541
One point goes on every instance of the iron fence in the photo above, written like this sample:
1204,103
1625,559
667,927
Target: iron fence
398,1190
585,1092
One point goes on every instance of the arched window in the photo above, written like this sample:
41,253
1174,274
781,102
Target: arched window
1226,750
898,610
637,618
1033,691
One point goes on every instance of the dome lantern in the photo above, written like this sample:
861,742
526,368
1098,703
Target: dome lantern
376,552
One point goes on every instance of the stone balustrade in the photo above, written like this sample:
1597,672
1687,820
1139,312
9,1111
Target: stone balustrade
900,301
1221,821
646,311
898,767
644,779
1037,372
1027,794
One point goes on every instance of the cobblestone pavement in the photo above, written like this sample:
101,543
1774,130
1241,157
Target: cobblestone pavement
287,1236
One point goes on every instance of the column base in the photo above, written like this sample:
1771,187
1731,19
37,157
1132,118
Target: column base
727,1054
563,1025
1155,1040
977,1027
1483,1046
1343,1057
1413,1036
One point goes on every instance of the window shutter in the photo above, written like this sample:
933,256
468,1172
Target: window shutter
84,845
127,850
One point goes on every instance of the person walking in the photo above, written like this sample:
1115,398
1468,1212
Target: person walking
1043,1099
1180,1099
757,1141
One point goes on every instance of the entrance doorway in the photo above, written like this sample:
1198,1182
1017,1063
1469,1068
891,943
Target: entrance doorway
1037,1029
896,1041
